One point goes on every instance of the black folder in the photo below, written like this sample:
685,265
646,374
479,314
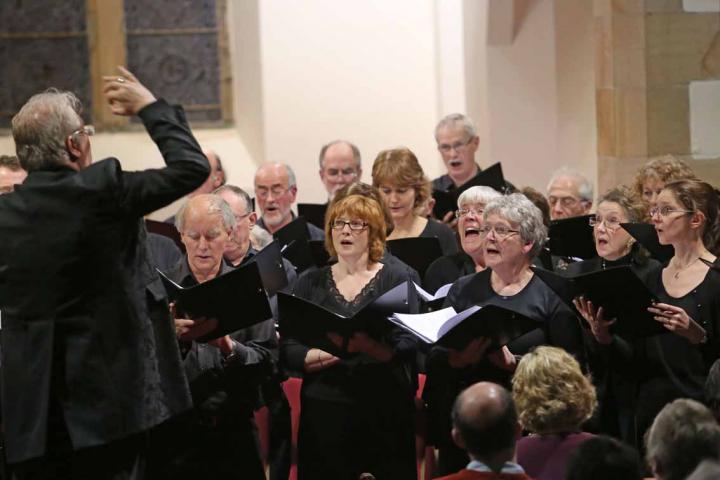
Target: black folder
314,213
618,290
236,299
293,239
446,200
417,252
271,268
309,323
572,237
647,236
498,324
166,230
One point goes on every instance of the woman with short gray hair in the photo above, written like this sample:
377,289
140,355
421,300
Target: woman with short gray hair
513,233
447,269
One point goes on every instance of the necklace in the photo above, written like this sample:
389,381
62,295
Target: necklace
678,271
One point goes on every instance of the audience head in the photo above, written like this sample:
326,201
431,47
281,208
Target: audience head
551,393
485,423
354,226
365,190
569,193
471,205
652,177
245,217
339,165
688,208
205,223
682,435
457,142
539,200
216,178
275,191
618,205
49,131
712,389
512,231
11,173
401,181
707,470
603,458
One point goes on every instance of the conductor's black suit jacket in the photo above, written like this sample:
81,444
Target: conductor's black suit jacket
86,329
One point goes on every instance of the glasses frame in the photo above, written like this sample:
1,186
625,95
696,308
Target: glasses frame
276,191
457,146
339,225
485,230
593,221
668,210
88,130
461,212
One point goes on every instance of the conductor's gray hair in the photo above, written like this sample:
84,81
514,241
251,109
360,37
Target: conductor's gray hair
41,127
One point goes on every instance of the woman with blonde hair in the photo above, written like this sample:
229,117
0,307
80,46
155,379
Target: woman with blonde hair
405,189
553,400
656,173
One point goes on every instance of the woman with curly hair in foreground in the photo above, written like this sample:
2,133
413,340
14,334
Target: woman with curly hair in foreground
553,400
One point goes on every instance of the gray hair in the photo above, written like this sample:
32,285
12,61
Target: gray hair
292,180
41,127
478,194
452,120
683,433
585,187
355,151
216,206
517,209
239,192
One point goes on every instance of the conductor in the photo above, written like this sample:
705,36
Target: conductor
90,360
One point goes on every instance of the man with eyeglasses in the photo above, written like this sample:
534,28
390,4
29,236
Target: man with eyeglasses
569,193
90,360
457,142
276,192
339,165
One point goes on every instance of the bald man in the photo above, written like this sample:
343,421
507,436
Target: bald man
339,166
485,425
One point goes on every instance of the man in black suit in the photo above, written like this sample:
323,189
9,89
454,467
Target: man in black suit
90,360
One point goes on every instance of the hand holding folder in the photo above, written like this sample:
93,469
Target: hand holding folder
617,290
235,300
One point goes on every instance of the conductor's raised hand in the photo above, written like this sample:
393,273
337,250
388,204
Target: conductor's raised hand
125,94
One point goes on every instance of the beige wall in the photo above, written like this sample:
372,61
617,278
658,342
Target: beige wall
382,72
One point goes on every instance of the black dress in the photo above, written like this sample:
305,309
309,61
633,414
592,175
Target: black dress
447,269
614,380
446,236
358,415
669,366
557,326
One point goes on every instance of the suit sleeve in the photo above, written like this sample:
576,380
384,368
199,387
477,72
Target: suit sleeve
186,166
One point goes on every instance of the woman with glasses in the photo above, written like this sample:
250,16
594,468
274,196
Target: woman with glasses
449,268
356,411
402,183
615,247
513,233
675,364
